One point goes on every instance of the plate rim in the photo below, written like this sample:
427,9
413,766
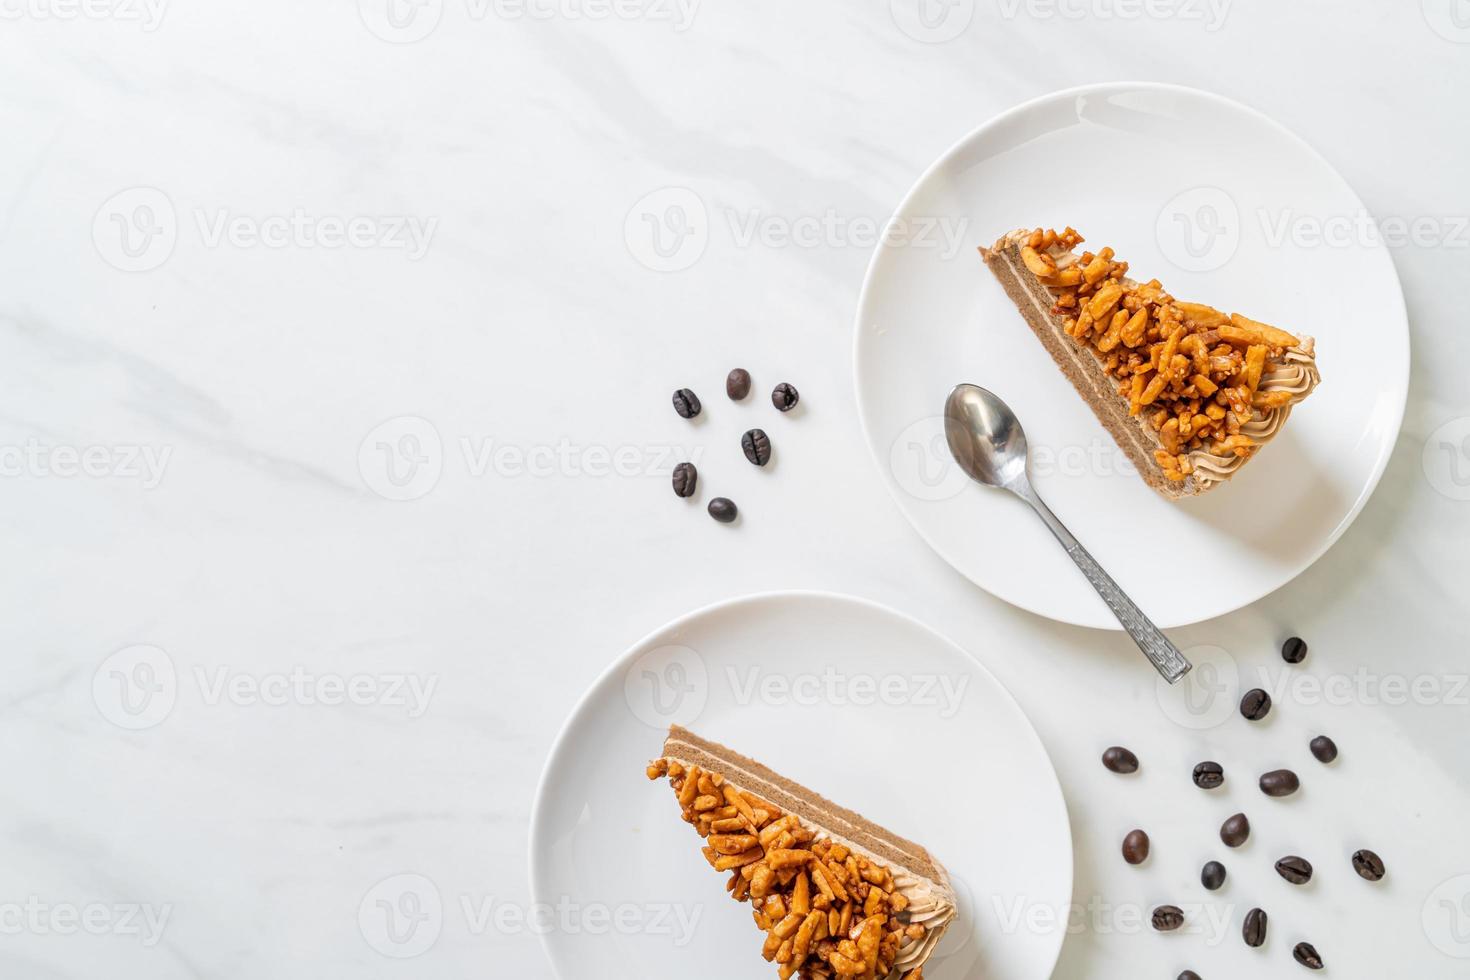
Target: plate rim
560,744
1401,383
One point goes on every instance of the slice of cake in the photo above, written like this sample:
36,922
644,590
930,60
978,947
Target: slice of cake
1188,392
836,895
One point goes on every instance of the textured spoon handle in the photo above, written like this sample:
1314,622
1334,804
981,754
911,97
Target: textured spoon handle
1163,654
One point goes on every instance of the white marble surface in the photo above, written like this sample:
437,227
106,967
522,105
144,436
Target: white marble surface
182,466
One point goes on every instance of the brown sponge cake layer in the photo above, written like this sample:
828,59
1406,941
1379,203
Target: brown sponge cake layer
818,812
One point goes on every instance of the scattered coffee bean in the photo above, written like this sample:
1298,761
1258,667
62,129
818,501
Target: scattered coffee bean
1368,865
1212,875
785,397
1167,918
1135,847
686,403
1253,929
737,384
1295,869
1280,782
1256,704
1119,759
723,509
1209,775
685,477
757,446
1235,831
1188,975
1306,955
1294,650
1324,748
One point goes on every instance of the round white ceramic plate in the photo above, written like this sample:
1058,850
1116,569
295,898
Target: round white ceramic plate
1223,206
857,702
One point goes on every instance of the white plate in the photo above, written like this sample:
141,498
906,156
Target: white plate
1192,189
962,772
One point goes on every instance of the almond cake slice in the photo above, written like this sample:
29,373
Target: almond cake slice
1188,392
836,895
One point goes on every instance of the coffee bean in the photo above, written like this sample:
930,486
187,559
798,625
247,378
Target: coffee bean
1253,929
1295,869
686,403
1256,704
1119,759
757,446
1280,782
1188,975
785,397
1167,918
1209,775
1294,650
685,478
1212,875
737,384
1306,955
1135,847
1324,748
723,509
1368,865
1235,831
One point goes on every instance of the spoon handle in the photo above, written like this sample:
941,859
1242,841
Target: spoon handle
1164,655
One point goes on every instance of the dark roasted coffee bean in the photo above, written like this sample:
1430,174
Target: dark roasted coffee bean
1256,704
1306,955
1188,975
1167,918
1280,782
1135,847
1212,875
685,477
1324,748
1294,650
737,384
1235,831
1209,775
785,397
1368,865
1295,869
1119,759
757,446
1253,929
723,509
686,403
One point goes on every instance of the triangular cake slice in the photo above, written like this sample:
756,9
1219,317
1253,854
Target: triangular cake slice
1189,393
837,896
